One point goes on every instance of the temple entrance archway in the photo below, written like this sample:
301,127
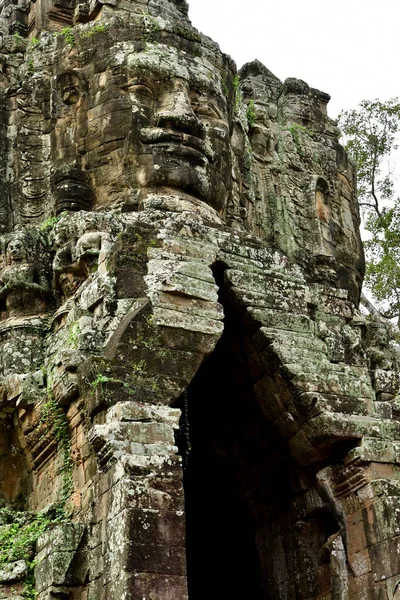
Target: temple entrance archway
256,523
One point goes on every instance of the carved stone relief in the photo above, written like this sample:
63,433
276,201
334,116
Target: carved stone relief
180,270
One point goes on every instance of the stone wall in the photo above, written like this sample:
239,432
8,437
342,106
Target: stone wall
187,385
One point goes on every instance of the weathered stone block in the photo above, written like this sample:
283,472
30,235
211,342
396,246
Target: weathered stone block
281,320
386,381
159,587
154,526
14,571
385,559
157,559
374,451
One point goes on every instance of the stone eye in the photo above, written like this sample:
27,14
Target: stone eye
206,108
141,90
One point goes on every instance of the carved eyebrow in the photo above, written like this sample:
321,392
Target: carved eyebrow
213,95
193,74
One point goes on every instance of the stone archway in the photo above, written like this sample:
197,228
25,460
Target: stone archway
268,526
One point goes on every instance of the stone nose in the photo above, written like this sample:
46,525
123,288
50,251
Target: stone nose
176,113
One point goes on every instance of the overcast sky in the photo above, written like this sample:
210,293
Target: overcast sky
348,48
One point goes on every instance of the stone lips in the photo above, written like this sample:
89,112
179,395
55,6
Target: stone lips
158,211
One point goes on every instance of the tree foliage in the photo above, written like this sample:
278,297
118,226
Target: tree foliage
371,137
372,132
383,260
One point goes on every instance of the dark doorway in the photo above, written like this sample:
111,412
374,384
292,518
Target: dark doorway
220,531
256,525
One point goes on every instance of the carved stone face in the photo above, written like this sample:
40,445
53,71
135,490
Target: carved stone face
15,251
183,141
152,121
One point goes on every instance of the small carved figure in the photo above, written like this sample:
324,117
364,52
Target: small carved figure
93,245
262,135
81,247
23,282
70,87
67,276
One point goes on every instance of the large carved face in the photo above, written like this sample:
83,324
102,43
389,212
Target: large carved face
154,118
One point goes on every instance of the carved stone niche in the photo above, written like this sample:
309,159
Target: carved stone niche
14,476
322,202
51,15
61,11
323,249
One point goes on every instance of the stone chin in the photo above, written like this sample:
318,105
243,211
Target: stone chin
172,169
181,171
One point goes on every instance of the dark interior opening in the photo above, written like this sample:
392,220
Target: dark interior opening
236,470
256,526
15,481
222,556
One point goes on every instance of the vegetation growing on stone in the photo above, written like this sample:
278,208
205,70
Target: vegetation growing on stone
188,33
151,27
372,134
19,532
53,418
236,91
251,113
48,224
93,30
297,131
34,42
102,380
68,35
17,37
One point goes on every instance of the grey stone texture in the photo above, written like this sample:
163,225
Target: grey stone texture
180,276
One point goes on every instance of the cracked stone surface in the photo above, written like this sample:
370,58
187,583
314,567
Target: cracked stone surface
184,368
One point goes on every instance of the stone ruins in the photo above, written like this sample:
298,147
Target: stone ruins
192,404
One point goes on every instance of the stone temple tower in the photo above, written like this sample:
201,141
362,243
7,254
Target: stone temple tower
191,403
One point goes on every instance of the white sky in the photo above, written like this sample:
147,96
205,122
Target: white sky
348,48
